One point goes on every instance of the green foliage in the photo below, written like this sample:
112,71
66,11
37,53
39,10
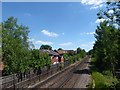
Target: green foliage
90,52
81,52
15,46
106,49
39,60
45,59
60,49
48,47
66,56
78,50
18,57
104,81
73,57
111,18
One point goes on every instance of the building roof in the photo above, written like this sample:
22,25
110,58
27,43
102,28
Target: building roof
50,52
65,51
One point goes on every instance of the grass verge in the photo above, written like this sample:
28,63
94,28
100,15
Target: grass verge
103,81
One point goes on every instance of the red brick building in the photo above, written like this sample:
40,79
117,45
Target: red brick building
55,56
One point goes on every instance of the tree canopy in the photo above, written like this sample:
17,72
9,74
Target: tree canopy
15,46
106,49
48,47
60,49
18,57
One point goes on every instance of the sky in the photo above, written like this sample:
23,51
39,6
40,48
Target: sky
66,25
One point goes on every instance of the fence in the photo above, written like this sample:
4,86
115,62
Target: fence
27,79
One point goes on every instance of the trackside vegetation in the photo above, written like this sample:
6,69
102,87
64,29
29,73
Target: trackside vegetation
106,50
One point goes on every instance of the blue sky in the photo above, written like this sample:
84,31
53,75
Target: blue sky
66,25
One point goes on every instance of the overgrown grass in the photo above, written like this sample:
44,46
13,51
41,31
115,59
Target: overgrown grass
103,81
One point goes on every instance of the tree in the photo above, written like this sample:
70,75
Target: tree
35,59
111,13
48,47
45,60
78,50
107,48
66,56
81,52
15,47
60,49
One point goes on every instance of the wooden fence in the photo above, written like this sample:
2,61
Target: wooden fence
27,79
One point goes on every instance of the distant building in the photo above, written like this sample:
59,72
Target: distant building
62,51
66,51
55,56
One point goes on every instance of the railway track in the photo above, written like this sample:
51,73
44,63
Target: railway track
76,75
67,78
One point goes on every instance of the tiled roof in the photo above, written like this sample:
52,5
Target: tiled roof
50,52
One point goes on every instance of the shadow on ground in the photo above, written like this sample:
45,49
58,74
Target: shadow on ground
88,62
83,71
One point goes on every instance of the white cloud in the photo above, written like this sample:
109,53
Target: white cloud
93,3
95,7
99,20
50,34
87,33
66,44
43,42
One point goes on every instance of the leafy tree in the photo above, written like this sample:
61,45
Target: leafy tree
60,49
107,48
78,50
45,60
35,58
90,52
48,47
104,46
111,13
81,52
65,55
15,47
71,53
